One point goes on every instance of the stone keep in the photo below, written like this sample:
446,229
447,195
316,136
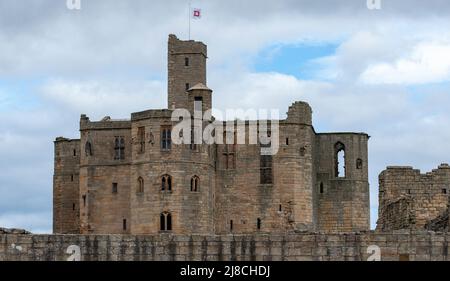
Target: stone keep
127,177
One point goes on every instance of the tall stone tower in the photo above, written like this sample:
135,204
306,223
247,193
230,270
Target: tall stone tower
186,68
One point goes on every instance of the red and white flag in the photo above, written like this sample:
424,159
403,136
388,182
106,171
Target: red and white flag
196,13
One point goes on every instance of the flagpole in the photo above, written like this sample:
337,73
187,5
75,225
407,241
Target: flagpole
189,14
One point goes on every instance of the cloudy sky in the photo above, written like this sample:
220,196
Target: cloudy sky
385,72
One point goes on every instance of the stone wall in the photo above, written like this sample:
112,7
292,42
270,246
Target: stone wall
296,247
342,200
428,194
66,207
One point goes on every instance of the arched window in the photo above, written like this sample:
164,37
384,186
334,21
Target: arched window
165,221
359,163
339,160
166,183
140,188
195,183
88,148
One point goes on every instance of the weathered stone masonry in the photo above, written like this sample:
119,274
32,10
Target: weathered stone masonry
126,178
411,200
296,247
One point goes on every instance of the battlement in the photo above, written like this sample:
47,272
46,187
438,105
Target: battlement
183,47
105,124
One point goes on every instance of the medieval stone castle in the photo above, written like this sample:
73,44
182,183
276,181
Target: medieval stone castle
128,177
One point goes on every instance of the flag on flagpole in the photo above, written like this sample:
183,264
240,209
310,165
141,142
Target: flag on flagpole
196,13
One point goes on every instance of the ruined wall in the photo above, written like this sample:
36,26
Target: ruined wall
342,201
245,204
396,246
428,193
397,214
66,212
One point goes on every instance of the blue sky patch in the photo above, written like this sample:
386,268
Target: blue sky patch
294,59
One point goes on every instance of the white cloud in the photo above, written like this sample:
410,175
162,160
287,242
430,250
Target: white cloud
99,98
427,63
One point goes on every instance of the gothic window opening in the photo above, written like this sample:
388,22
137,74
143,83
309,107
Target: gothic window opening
166,138
114,188
166,183
339,160
140,185
359,163
141,139
119,148
165,221
258,223
321,188
195,183
88,148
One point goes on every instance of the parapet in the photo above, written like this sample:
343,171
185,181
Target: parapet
153,113
177,46
105,124
300,112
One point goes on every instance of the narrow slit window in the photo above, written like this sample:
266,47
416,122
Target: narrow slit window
141,139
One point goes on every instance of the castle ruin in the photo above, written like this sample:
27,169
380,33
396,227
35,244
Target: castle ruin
127,177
